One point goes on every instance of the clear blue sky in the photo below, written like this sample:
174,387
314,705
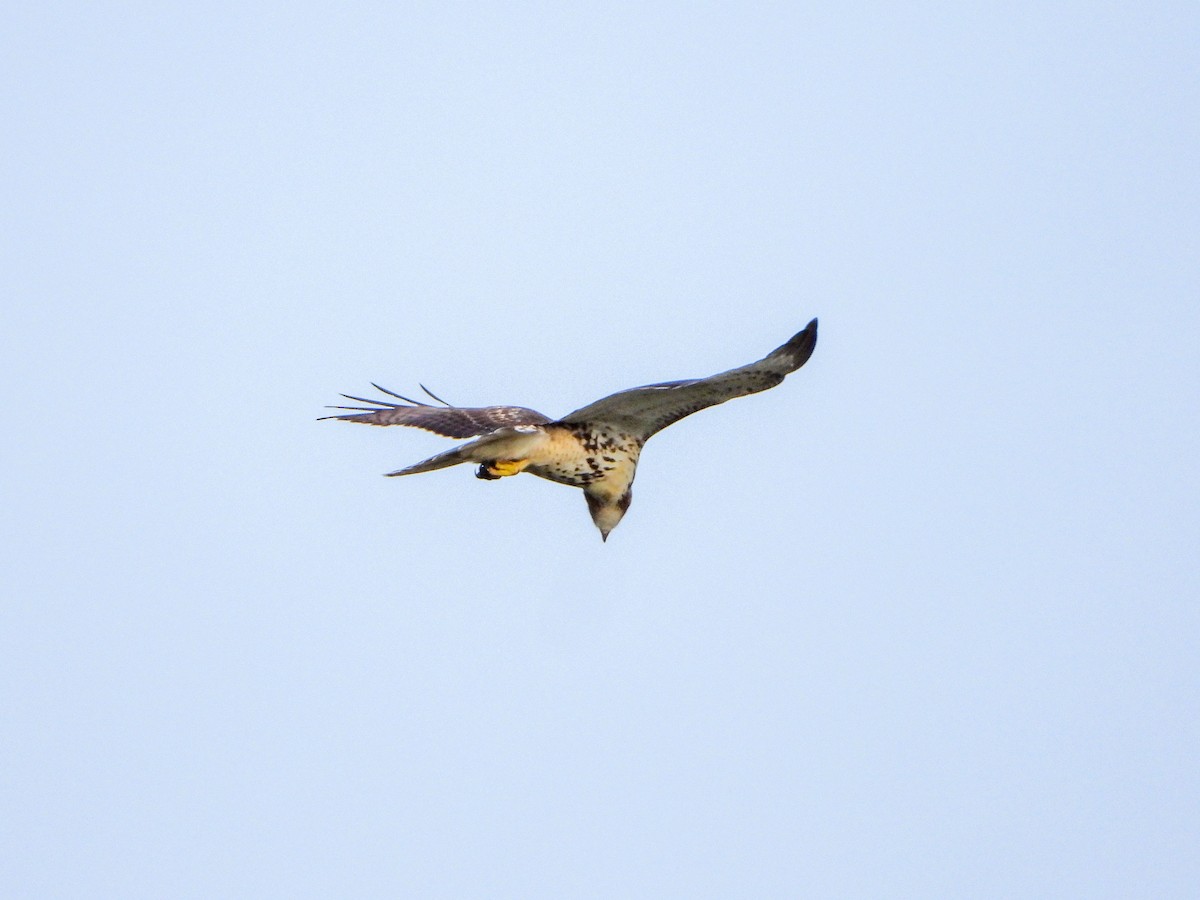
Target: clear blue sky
922,622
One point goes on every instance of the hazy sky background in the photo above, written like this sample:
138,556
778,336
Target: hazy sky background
923,621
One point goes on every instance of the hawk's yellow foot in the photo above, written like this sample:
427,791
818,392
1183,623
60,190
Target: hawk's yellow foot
499,468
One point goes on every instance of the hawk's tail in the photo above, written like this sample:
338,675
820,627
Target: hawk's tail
516,442
441,461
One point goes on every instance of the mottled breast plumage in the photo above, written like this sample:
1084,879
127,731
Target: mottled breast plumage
581,455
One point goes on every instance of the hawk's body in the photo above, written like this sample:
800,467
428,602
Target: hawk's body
595,448
589,456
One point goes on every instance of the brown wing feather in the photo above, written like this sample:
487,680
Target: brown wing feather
449,421
646,410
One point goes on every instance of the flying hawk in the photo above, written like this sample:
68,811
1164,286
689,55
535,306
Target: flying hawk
595,448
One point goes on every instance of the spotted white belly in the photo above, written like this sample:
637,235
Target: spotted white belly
598,458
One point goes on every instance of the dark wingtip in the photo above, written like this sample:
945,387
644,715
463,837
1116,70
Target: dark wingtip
390,393
433,395
801,346
363,416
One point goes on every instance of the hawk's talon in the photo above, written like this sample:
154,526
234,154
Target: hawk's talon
499,468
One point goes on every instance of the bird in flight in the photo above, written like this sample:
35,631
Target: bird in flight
595,448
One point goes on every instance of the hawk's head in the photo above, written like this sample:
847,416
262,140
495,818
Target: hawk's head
606,513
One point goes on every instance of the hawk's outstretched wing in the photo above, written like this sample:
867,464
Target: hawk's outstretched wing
646,410
450,421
